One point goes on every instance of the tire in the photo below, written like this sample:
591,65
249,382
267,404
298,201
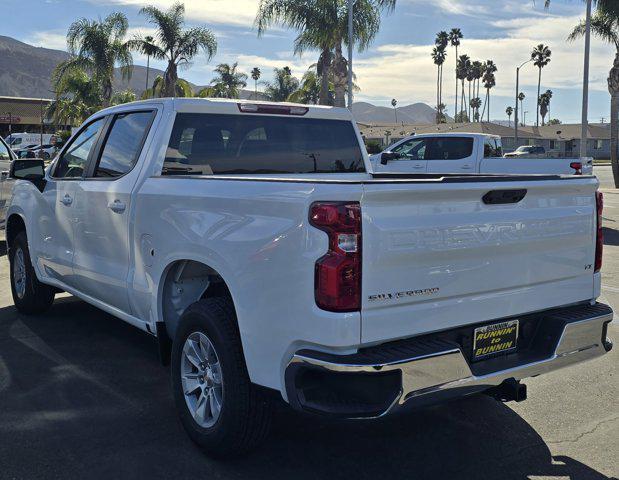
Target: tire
245,412
29,295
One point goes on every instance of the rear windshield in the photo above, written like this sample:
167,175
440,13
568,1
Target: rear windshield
207,144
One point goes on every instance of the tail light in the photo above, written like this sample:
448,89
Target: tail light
337,281
577,166
599,242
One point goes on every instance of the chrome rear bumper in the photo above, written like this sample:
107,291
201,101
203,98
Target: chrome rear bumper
427,376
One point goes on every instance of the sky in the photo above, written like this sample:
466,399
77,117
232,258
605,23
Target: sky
397,65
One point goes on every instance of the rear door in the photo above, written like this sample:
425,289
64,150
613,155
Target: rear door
101,260
451,154
436,256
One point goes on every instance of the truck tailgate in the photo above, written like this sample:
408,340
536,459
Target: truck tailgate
435,256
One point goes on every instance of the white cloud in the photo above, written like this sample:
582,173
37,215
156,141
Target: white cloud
54,39
225,12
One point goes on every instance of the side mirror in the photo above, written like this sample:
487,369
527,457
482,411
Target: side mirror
29,170
388,156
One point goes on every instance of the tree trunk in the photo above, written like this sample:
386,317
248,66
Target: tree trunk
539,87
456,106
488,102
613,88
147,74
469,107
169,80
438,93
325,67
340,76
107,92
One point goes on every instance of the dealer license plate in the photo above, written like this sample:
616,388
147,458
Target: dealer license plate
497,338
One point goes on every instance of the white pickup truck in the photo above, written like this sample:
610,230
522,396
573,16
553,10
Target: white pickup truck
468,153
250,240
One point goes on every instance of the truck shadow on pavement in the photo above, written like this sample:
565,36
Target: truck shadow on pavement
2,249
82,395
611,236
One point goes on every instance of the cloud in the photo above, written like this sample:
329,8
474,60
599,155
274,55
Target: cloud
54,39
225,12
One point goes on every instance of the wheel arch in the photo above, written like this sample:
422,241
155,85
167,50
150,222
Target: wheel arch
15,223
183,282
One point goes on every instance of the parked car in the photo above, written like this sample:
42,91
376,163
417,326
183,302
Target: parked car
468,153
530,151
45,152
23,152
251,241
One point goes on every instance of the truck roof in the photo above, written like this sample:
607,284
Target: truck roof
230,107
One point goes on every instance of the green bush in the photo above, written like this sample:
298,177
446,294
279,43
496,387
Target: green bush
373,146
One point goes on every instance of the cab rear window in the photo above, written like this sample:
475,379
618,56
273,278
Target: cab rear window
212,144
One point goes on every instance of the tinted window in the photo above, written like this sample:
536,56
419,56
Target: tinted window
123,144
4,152
449,148
74,159
492,148
204,144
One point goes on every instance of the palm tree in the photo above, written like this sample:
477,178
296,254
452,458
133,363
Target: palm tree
146,47
228,81
475,105
181,89
255,75
477,69
309,90
605,25
544,103
78,96
470,78
464,65
282,86
439,55
609,6
489,82
96,47
541,57
455,38
394,104
323,25
509,111
521,97
175,44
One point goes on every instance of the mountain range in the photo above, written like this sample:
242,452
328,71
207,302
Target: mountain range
25,71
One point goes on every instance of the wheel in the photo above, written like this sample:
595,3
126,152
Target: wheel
46,156
29,295
219,407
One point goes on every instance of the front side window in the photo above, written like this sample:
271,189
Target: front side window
75,158
123,144
414,149
207,144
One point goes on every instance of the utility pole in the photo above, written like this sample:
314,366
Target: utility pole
350,49
585,84
517,100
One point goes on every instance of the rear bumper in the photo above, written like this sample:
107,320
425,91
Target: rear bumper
424,370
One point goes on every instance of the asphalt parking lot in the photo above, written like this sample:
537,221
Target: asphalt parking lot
82,395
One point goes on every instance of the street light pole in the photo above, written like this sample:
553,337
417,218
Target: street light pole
517,94
585,84
350,48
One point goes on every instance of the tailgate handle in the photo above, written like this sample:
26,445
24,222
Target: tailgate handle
504,197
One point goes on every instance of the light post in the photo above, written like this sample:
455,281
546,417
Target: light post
518,93
585,83
350,48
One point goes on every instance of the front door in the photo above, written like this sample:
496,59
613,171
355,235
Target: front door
102,256
412,157
56,224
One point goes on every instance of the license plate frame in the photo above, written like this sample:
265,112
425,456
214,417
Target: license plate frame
496,338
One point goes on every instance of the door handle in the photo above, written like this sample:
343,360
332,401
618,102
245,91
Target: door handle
465,167
418,166
66,200
117,206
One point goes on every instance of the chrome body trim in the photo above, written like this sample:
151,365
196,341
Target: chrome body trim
448,370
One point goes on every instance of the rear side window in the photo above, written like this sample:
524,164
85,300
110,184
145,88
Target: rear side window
211,144
123,144
449,148
492,148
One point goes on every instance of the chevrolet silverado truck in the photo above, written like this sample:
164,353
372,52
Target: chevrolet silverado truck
251,240
470,153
